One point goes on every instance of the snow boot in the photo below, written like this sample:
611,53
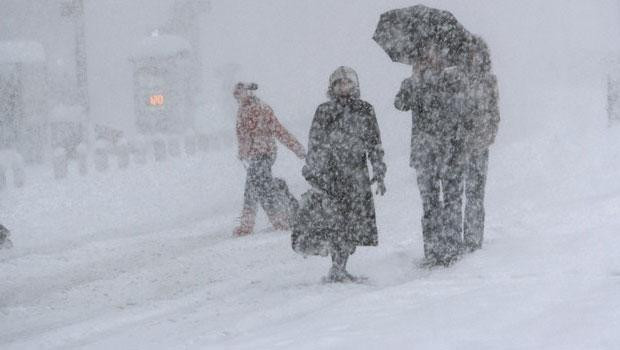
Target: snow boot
470,247
441,255
339,275
246,221
338,272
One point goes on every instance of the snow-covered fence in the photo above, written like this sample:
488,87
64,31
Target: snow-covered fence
121,152
60,163
101,157
174,147
214,142
138,150
82,159
190,145
113,153
11,167
159,149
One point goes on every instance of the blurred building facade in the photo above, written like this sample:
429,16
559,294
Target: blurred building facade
71,39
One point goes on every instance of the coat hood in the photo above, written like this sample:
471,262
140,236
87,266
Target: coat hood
343,72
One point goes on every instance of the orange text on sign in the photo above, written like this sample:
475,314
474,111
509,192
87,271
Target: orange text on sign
156,100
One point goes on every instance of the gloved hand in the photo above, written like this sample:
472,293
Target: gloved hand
403,98
380,185
381,188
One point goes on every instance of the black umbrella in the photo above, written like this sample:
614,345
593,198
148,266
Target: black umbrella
405,33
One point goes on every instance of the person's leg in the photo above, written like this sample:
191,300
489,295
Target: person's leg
250,200
340,252
452,216
428,184
268,194
475,182
339,257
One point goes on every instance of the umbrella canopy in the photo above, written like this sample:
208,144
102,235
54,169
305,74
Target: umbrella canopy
406,33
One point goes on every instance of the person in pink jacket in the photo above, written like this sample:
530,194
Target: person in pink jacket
257,132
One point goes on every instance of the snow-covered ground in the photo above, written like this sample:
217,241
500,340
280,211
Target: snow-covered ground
145,259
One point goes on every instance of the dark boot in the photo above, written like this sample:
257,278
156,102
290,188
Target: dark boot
449,253
338,272
444,251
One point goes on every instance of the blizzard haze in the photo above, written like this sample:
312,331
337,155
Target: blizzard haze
143,257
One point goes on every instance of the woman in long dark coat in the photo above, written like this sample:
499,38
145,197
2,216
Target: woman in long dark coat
343,136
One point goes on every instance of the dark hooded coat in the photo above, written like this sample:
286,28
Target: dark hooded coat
438,103
482,123
344,135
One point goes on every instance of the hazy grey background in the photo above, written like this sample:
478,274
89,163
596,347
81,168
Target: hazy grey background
143,257
545,53
541,50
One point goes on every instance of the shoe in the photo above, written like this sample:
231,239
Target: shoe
448,260
246,223
434,259
337,275
470,247
429,262
241,231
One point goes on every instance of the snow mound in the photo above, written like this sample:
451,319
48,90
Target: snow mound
21,52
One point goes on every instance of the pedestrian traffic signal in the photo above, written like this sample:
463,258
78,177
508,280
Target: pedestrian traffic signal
156,100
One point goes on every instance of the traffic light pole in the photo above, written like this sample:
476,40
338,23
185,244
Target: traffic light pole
81,63
74,9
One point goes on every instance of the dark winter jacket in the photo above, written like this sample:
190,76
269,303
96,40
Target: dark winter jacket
438,103
482,123
343,136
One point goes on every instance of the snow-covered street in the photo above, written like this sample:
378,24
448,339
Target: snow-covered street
140,254
167,273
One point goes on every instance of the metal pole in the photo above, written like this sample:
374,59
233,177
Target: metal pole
81,63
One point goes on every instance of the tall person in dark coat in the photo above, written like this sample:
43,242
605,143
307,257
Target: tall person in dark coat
435,96
481,126
343,137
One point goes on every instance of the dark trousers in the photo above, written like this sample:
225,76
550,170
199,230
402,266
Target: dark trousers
475,178
441,188
259,185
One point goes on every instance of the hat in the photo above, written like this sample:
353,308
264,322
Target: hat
247,87
347,73
344,73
